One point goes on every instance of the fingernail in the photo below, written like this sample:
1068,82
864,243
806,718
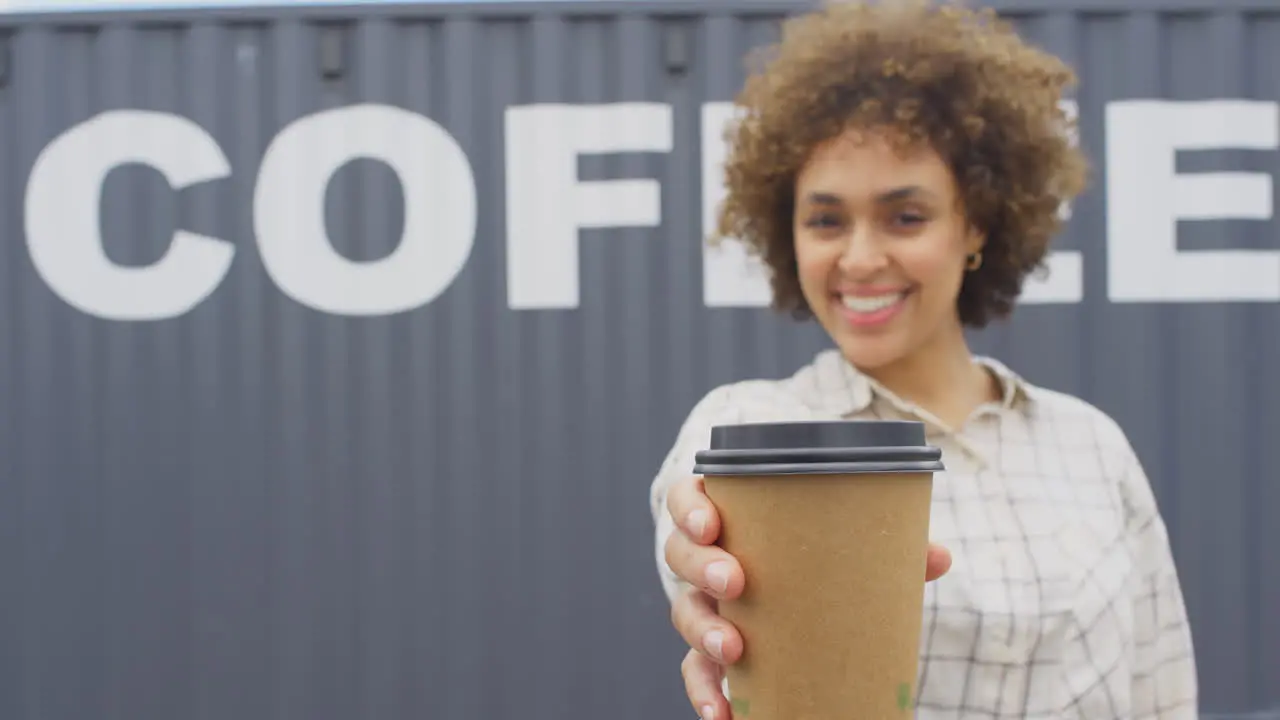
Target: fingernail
718,576
707,713
697,522
714,643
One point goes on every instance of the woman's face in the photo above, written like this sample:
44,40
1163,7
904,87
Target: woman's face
881,244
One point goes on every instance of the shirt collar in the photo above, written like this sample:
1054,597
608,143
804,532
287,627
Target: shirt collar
1016,392
848,391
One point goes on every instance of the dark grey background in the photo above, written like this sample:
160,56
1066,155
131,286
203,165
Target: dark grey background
259,511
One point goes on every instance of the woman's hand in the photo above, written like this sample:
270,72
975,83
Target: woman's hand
715,575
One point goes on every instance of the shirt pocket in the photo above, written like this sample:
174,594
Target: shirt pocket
1016,592
998,626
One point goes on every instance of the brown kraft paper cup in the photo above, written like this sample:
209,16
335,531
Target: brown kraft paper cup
830,522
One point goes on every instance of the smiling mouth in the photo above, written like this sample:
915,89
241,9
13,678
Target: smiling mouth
872,310
872,303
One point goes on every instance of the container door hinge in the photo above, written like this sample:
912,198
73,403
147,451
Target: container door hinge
332,52
4,60
677,47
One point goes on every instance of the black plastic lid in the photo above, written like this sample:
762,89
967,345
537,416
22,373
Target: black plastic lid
819,447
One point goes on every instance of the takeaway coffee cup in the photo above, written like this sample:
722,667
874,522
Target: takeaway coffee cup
830,523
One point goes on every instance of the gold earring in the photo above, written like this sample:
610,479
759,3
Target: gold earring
974,261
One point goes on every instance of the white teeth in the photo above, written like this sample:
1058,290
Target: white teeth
870,304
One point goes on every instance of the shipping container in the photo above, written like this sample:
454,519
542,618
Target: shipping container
314,318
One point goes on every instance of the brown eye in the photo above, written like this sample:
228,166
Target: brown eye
909,220
823,221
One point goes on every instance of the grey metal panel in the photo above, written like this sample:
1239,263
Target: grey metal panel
260,510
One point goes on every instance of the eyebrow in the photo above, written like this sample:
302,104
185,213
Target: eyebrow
819,198
900,193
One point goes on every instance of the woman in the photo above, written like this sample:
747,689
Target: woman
900,168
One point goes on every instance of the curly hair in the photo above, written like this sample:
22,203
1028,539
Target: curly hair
960,81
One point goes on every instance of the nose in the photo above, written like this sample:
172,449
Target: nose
863,254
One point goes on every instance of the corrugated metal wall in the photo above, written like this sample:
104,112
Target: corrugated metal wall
316,488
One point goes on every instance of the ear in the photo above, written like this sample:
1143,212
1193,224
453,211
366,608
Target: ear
974,241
